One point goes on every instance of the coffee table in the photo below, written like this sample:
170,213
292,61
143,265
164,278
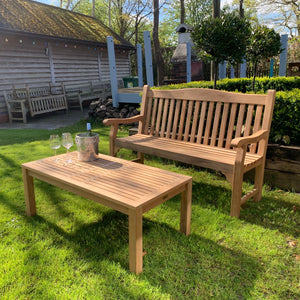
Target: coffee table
125,186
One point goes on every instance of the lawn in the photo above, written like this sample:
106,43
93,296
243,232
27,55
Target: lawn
78,249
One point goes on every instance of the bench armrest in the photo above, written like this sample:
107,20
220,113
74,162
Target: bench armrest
254,138
130,120
114,130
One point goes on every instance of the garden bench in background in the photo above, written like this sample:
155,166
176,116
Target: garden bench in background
42,100
17,104
76,93
219,130
36,100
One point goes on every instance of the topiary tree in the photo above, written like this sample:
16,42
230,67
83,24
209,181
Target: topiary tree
264,43
223,38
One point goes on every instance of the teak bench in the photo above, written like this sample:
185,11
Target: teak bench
220,130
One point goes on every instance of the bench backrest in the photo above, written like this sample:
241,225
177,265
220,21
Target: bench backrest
77,87
16,94
205,116
36,92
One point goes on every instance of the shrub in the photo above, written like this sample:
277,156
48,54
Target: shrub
285,127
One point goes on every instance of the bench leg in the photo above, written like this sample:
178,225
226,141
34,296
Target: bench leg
236,195
24,112
80,102
9,115
258,181
136,240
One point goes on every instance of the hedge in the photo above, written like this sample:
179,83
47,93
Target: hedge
285,127
244,85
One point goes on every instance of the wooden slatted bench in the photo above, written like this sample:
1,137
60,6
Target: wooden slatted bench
17,104
78,93
220,130
36,101
42,100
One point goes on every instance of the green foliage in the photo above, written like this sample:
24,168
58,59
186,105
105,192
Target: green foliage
264,43
224,38
286,118
262,84
243,85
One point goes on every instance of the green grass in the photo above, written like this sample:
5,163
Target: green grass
77,249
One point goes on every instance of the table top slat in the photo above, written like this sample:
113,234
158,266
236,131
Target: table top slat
123,182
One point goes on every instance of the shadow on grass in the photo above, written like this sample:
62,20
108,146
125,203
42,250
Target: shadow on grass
180,266
275,214
272,212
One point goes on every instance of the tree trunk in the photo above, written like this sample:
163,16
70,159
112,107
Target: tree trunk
213,66
254,75
216,8
241,10
93,8
109,14
157,52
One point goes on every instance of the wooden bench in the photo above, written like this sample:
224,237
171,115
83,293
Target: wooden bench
17,104
42,100
36,101
76,94
213,129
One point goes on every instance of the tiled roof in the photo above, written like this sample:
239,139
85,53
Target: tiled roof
34,18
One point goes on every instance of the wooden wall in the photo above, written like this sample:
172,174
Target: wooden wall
38,62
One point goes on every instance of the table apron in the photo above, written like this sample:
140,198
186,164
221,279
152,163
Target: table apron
80,192
163,198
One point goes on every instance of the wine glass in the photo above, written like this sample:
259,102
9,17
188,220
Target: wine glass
54,143
67,142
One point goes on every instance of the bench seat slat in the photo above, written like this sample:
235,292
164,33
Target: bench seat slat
200,155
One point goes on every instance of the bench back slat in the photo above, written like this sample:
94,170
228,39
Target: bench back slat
203,116
164,120
223,125
231,125
170,118
257,125
176,118
194,125
182,120
159,117
201,122
209,119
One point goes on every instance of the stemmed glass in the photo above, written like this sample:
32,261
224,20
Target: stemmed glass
67,142
54,143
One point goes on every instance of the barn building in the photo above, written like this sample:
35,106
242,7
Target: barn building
42,44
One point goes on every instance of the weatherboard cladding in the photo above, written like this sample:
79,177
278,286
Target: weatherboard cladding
35,36
34,18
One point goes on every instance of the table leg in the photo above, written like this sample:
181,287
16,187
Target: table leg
186,209
29,193
136,240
